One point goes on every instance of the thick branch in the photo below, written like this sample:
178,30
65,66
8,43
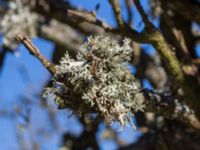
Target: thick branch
157,40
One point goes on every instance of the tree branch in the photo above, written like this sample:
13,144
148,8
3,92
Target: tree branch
154,37
35,52
148,24
158,103
150,36
116,8
165,105
128,5
63,35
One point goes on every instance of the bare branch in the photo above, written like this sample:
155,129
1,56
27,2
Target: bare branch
35,52
89,17
128,5
63,35
116,8
143,14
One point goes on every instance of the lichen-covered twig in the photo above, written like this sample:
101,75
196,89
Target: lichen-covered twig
79,71
35,52
90,85
163,104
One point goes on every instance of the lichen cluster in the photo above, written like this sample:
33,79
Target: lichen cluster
18,18
97,81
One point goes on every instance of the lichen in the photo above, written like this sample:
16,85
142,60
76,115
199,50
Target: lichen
97,81
17,19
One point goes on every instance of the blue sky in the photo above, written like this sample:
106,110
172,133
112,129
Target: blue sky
23,75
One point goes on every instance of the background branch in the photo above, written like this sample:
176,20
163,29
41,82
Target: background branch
116,8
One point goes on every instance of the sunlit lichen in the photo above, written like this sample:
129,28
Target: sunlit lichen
97,81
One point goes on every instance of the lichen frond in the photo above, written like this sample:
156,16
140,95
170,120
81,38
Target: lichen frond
97,81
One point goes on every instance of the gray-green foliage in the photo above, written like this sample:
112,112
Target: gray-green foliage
97,81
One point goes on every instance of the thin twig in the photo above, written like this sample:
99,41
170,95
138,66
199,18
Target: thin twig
128,5
89,17
116,8
35,52
143,14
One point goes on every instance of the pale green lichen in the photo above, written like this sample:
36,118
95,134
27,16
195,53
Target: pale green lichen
97,81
